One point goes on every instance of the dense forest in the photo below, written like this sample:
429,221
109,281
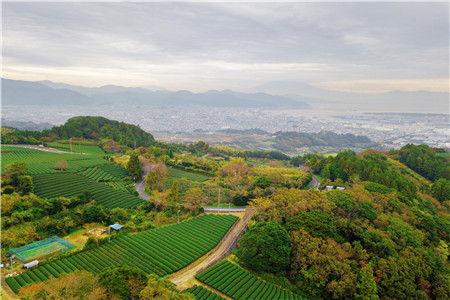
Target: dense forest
384,237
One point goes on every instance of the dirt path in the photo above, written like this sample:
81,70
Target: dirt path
183,278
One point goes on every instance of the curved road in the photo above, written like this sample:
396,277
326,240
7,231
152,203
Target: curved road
315,183
140,184
222,250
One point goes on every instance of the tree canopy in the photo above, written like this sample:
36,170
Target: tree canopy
265,247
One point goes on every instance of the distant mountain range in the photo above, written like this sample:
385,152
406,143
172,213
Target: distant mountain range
393,101
16,92
282,94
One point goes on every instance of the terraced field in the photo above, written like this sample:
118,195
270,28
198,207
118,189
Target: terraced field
115,170
121,186
161,251
238,283
94,150
98,174
177,173
41,162
201,293
69,185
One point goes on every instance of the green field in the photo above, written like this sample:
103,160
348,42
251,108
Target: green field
70,185
40,162
162,251
84,149
238,283
201,293
177,173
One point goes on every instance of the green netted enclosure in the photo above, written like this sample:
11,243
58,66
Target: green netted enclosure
40,249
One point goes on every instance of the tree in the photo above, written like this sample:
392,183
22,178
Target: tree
368,211
170,153
61,165
134,167
76,285
157,175
25,184
318,223
367,287
193,198
265,247
124,281
174,191
13,172
441,190
160,288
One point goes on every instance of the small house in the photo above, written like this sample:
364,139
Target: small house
31,264
116,227
340,188
328,188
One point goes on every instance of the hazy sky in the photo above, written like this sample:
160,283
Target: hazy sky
366,47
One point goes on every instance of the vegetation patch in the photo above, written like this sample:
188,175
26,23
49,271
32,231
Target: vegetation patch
177,173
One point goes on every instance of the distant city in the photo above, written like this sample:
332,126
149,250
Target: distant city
391,130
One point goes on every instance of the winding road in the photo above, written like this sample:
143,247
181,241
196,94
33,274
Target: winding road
140,184
315,183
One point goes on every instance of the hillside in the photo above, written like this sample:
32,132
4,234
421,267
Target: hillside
288,142
385,236
98,129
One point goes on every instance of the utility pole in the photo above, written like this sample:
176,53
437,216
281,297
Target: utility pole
134,145
109,234
229,207
11,258
218,202
178,216
70,145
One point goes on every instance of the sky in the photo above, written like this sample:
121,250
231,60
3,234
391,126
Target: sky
352,46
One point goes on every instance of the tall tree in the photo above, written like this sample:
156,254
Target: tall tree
134,167
367,287
14,171
174,191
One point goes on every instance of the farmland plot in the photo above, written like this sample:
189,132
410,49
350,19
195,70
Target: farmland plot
238,283
162,251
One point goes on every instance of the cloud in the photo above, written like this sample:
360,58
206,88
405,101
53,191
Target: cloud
224,45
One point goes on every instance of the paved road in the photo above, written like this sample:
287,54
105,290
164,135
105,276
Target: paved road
315,183
222,250
35,147
140,184
223,209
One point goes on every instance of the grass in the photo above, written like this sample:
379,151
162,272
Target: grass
177,173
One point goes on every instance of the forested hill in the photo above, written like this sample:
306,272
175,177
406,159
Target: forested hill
92,128
431,163
99,127
288,141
